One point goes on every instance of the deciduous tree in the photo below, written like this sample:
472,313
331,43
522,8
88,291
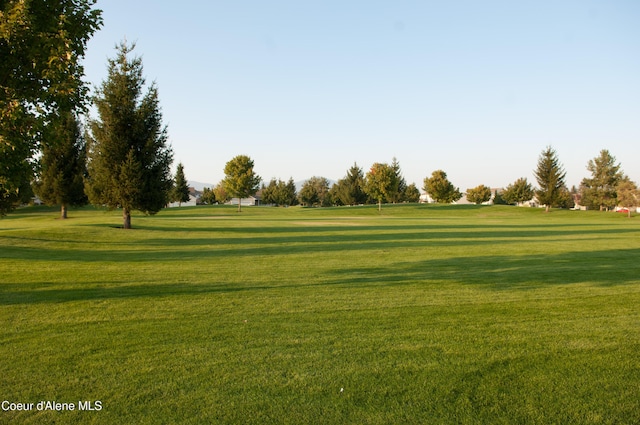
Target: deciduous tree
380,182
628,195
315,192
440,188
550,176
240,180
518,192
479,194
129,157
42,43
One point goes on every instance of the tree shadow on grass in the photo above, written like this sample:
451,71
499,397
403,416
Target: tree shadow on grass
15,293
293,240
522,272
605,267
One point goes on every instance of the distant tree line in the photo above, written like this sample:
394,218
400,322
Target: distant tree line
121,158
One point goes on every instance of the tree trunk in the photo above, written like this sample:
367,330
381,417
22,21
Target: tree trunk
126,218
546,209
239,204
379,205
63,211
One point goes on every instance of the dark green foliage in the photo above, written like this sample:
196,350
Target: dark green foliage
315,192
129,158
180,189
208,196
550,176
399,184
518,192
280,193
63,164
240,180
599,191
498,198
42,43
350,189
441,189
411,193
479,194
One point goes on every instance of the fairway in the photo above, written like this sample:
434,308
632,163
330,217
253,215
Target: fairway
420,314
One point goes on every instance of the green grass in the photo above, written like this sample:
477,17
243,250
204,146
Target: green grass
421,314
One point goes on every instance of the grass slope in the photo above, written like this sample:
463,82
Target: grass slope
421,314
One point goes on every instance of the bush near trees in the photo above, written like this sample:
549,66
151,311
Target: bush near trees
479,194
518,192
440,188
129,157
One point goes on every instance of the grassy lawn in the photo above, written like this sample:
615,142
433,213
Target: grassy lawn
420,314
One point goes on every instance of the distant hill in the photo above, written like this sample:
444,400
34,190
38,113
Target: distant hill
199,185
301,182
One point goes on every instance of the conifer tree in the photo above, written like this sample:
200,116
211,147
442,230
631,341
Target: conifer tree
180,189
599,191
63,164
550,176
129,157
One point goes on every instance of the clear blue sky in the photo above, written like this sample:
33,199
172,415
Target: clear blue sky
475,88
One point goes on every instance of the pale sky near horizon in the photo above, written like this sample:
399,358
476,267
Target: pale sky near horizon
307,88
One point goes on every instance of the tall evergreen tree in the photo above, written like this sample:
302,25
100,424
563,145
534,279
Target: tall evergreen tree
350,189
63,164
550,176
599,191
399,185
180,189
129,157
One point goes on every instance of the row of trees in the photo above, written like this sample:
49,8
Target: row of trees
122,158
384,182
